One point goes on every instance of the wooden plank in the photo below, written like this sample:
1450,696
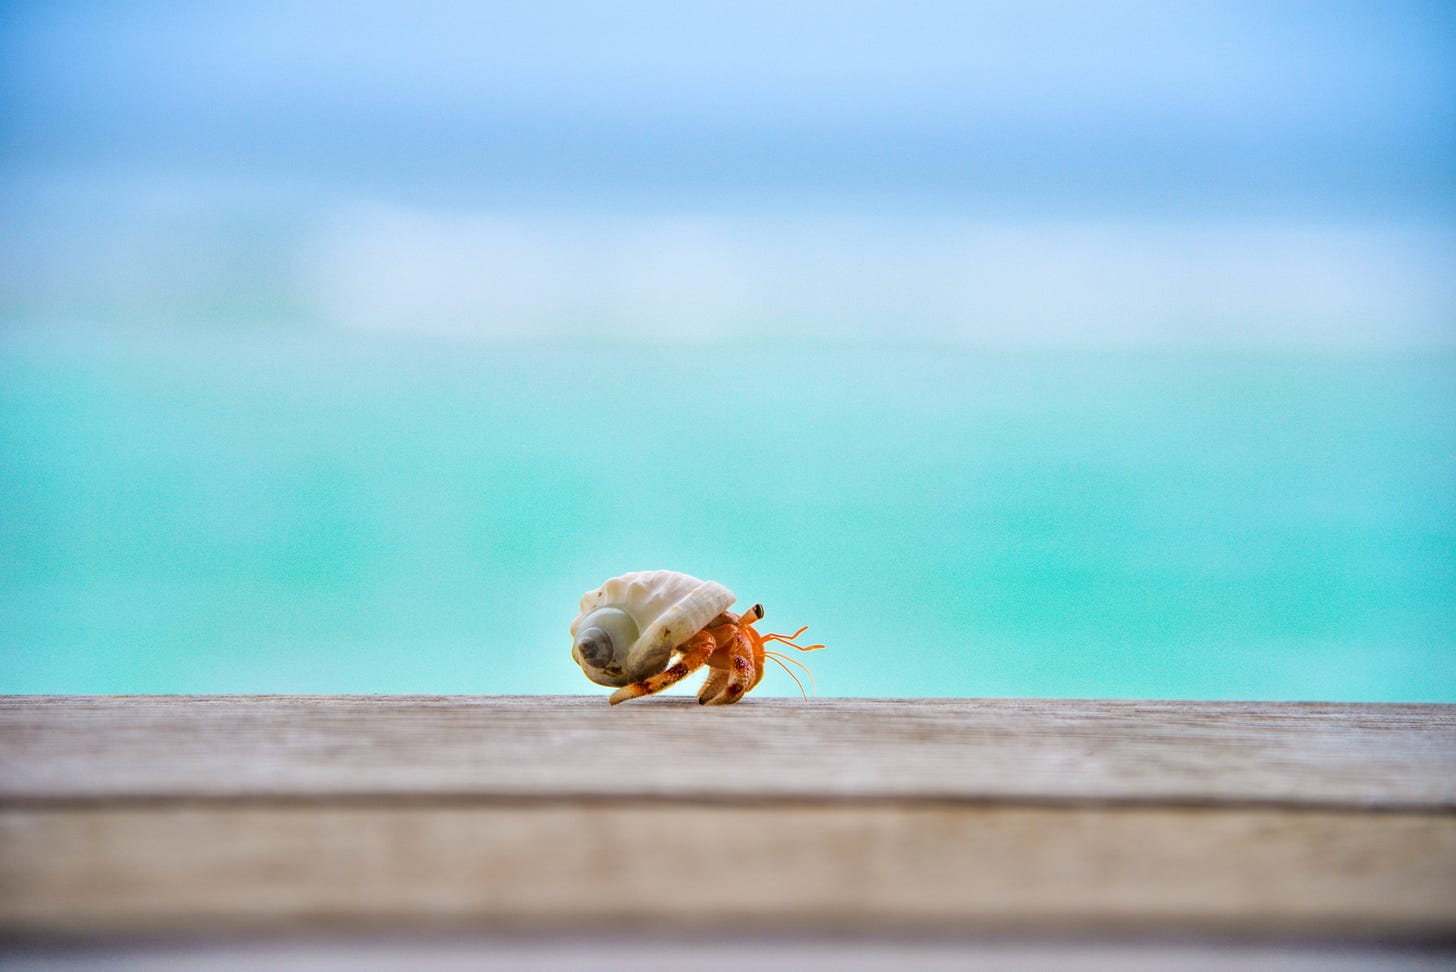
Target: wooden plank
737,870
987,750
563,816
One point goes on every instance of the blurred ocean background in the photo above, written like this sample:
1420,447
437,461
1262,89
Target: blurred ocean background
1017,349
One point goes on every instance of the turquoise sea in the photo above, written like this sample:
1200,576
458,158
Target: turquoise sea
279,511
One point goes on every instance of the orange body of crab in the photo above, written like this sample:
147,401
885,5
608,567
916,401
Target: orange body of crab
630,629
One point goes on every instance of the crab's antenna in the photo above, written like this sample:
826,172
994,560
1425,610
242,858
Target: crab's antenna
792,661
789,640
779,660
797,664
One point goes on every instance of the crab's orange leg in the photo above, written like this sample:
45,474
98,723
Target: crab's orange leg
695,652
717,678
741,669
758,672
725,630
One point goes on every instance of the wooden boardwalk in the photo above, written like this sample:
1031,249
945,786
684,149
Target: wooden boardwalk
889,820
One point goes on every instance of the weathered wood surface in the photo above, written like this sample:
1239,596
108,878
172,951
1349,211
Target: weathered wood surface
759,868
561,815
1028,750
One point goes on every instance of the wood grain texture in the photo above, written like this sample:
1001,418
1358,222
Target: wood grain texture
1203,753
652,867
166,816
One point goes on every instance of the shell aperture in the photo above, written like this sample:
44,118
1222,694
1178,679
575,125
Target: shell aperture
627,628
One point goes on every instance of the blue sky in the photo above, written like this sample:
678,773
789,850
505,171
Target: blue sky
1325,107
1282,173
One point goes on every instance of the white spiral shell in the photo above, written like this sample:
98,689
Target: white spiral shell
628,627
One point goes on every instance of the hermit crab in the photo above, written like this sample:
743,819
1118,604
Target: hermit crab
630,627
